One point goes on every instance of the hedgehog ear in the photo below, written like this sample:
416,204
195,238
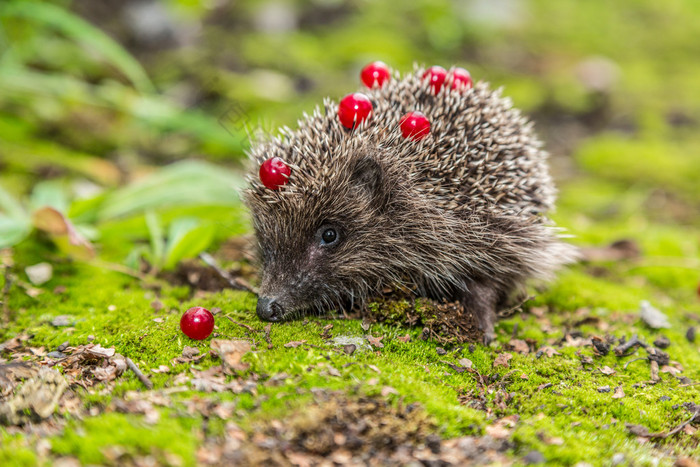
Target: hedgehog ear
368,177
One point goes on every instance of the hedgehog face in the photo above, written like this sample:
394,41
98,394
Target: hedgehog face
311,243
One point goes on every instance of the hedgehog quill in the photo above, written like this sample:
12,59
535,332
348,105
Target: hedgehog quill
421,182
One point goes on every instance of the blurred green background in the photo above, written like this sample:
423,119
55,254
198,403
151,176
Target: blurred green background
94,95
614,87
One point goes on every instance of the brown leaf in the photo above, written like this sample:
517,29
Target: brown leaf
375,341
619,393
548,351
231,352
57,225
98,351
519,346
404,339
606,370
502,360
465,362
502,428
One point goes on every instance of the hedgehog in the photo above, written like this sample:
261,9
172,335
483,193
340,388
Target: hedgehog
422,182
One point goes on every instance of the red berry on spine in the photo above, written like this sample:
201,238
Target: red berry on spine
436,75
274,173
197,323
354,109
375,74
461,79
415,125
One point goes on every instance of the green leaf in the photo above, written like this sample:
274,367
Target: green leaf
183,183
11,207
49,194
132,260
187,238
76,28
155,232
12,231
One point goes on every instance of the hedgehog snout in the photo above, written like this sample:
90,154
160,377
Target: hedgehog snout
269,309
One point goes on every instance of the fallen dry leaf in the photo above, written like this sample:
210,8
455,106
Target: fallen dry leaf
519,346
619,393
375,341
231,352
502,360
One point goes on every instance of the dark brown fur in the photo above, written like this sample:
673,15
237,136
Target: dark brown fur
459,215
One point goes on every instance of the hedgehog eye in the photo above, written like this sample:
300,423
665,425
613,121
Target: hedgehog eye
328,236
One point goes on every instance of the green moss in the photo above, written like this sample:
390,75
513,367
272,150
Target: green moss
14,451
88,440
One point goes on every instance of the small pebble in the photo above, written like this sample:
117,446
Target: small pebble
690,334
618,458
349,349
62,321
91,338
533,457
56,354
662,342
604,389
63,346
433,443
440,351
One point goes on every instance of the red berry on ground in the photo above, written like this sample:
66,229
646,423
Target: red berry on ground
375,74
354,109
461,79
436,75
415,125
274,173
197,323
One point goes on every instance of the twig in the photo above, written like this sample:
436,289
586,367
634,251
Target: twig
132,366
633,342
666,434
632,361
655,371
249,328
234,282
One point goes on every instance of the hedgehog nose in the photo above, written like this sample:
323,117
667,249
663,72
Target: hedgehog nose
269,310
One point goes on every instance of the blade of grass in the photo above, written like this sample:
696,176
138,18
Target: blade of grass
183,183
76,28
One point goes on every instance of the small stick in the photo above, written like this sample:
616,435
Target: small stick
249,328
632,361
655,371
132,366
633,342
235,282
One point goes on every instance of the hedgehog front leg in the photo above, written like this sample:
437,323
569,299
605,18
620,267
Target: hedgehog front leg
481,299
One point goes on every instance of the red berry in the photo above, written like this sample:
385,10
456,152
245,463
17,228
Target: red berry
375,74
354,109
274,173
461,79
415,125
197,323
436,75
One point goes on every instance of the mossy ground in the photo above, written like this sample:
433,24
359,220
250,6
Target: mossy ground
627,165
